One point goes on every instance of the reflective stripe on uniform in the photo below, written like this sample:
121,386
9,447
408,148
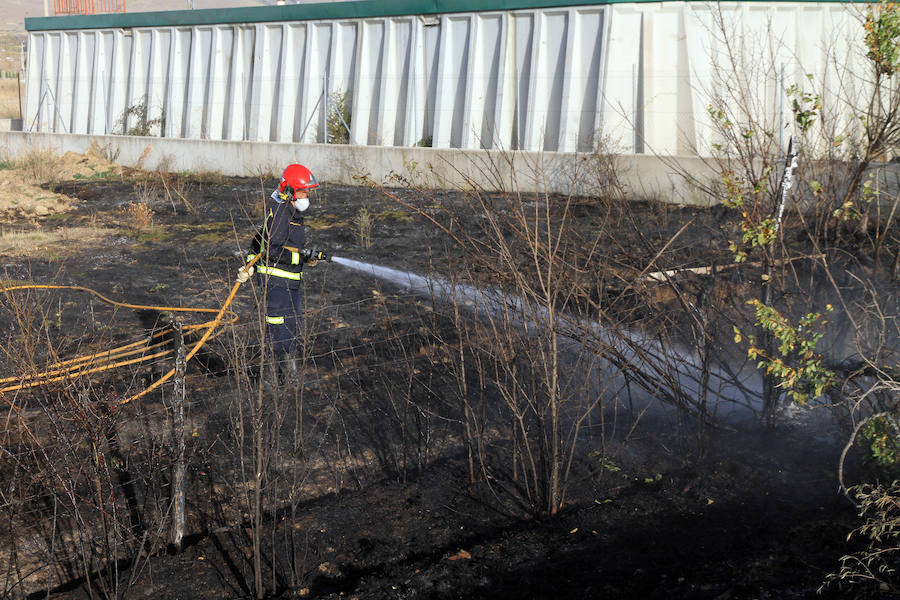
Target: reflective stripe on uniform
278,273
274,320
250,257
295,254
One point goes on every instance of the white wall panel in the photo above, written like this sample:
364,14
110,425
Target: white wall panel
414,100
65,88
35,89
550,78
158,79
102,84
431,46
138,76
483,95
197,82
450,93
577,110
622,110
524,45
392,86
118,93
638,75
82,83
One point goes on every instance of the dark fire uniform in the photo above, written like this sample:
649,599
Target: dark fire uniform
281,241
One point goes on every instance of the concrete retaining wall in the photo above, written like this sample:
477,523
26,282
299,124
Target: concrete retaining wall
554,172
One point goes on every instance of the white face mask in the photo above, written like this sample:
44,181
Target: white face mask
301,204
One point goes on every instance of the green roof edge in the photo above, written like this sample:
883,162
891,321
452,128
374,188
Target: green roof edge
358,9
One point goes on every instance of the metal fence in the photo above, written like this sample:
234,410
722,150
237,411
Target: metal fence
87,7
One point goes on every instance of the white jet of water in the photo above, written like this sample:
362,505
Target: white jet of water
646,354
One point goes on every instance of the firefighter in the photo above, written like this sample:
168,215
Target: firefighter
281,242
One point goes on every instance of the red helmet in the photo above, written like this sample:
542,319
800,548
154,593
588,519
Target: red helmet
295,177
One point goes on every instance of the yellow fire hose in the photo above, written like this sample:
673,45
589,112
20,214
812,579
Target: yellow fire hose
112,358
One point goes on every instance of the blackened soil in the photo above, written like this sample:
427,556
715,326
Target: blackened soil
766,523
756,515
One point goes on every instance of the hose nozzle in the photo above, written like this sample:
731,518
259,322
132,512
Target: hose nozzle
314,254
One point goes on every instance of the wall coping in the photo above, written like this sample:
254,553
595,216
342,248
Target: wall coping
358,9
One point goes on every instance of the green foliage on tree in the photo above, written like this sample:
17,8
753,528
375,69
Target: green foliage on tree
797,366
882,27
884,440
337,121
804,106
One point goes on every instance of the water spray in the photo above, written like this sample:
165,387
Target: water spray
404,279
646,354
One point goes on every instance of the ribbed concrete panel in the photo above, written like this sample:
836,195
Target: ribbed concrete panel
550,78
176,90
34,100
622,107
288,83
367,102
483,93
660,77
64,88
638,76
523,51
118,92
314,82
412,118
432,35
581,91
138,75
197,82
450,94
393,82
158,80
83,81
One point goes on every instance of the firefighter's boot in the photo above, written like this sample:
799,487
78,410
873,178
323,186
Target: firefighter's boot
289,368
269,378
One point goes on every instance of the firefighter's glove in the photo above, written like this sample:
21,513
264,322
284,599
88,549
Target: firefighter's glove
311,256
244,273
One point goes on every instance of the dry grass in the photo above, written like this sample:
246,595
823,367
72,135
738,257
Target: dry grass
40,165
34,242
10,62
138,216
146,193
9,98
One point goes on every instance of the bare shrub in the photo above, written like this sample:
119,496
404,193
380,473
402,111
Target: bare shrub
838,215
337,120
364,223
40,165
71,500
873,568
136,120
178,188
267,172
538,360
138,216
146,194
107,152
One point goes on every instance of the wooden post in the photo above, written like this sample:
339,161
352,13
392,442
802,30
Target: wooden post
178,444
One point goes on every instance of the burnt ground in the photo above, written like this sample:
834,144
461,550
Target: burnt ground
754,515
